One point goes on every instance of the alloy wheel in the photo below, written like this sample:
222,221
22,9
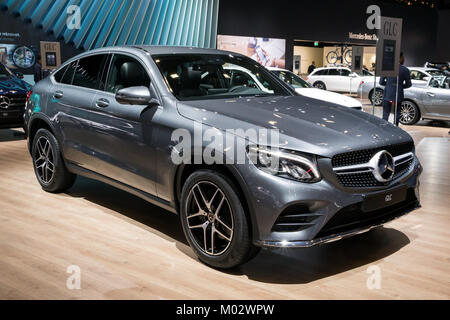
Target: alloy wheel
407,112
209,218
320,86
377,97
44,160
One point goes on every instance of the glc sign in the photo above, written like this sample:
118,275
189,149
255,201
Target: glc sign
389,46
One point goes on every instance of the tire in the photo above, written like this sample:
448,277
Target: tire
409,113
320,85
48,164
332,57
378,97
348,56
203,220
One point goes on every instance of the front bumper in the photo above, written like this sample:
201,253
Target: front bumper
327,211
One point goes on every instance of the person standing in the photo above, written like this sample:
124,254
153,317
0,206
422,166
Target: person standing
311,67
37,70
395,95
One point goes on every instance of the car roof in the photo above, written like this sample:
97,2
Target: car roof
423,69
332,67
158,50
277,69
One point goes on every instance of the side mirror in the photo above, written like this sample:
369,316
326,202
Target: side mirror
19,75
426,79
134,95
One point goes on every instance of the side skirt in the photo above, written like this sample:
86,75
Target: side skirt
139,193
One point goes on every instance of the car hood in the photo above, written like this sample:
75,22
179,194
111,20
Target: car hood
305,124
329,97
13,86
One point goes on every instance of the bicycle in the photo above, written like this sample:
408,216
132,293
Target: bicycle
344,54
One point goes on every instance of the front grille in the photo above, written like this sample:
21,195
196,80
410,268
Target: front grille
363,156
353,217
17,101
359,180
295,218
363,177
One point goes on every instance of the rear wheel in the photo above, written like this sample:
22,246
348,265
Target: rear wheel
377,97
48,164
320,85
214,221
409,113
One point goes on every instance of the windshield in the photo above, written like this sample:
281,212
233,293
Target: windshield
210,76
365,72
440,82
435,73
292,79
4,72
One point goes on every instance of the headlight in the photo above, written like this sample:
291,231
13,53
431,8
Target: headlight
287,164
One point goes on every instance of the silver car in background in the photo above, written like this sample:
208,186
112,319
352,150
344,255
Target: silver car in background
431,101
420,76
428,101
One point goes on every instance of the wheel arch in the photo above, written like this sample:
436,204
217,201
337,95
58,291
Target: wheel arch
36,123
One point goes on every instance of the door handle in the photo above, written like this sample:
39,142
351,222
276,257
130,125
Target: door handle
58,95
102,103
431,94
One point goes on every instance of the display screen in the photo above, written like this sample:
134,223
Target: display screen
267,51
50,59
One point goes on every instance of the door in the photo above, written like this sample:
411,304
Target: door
437,98
122,134
71,98
334,81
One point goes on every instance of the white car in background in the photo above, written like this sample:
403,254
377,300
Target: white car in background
340,79
303,88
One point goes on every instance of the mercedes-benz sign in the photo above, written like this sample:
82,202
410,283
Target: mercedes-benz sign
383,166
4,102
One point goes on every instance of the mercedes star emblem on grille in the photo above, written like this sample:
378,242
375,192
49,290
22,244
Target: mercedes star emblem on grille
4,102
384,168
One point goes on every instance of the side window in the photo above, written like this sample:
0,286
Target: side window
422,75
322,72
345,72
239,78
87,73
333,72
126,72
60,74
68,75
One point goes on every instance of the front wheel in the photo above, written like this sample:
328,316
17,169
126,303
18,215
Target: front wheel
214,221
409,113
332,57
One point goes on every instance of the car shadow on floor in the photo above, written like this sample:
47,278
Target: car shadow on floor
11,135
280,266
433,123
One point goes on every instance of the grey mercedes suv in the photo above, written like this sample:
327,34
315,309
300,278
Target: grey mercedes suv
130,117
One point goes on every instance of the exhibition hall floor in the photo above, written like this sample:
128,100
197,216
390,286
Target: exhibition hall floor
127,248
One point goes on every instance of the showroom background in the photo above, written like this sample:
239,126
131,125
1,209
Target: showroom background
197,23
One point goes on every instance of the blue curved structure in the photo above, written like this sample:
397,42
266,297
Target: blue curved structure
123,22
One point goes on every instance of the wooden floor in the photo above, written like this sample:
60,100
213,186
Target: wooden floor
129,249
